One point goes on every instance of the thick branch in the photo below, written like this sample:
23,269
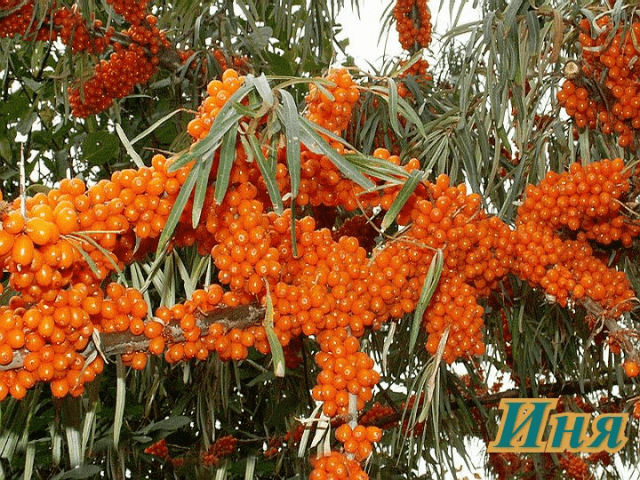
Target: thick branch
117,343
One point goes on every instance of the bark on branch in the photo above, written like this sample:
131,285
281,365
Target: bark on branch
111,344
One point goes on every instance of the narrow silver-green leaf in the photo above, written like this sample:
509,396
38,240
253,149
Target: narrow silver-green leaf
403,195
264,89
304,440
393,106
277,354
290,119
314,141
250,467
129,147
227,157
201,190
178,207
268,174
429,286
377,167
155,125
121,395
189,286
29,458
106,253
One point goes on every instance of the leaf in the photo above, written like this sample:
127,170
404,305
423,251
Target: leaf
250,467
403,195
434,376
128,147
99,147
264,89
388,341
86,256
29,458
290,119
81,472
304,440
84,236
155,126
429,286
168,424
72,408
268,174
393,106
227,157
201,191
274,343
377,167
178,207
314,141
121,395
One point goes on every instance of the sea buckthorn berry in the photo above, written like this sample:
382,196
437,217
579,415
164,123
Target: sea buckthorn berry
631,368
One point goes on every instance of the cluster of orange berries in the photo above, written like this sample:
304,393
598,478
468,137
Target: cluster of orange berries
73,31
126,67
133,11
383,416
218,93
609,60
68,26
336,466
334,113
345,371
359,440
158,449
222,447
555,223
413,23
58,254
19,20
574,466
113,78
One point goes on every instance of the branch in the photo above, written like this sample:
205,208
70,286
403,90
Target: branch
117,343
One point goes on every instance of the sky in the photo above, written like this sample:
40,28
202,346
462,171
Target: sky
363,31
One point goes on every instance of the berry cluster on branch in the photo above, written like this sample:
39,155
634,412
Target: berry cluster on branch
133,59
61,254
603,90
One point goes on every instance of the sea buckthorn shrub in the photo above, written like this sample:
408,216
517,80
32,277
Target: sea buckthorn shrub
602,90
60,257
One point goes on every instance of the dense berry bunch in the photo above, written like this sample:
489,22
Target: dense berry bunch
118,76
133,11
18,19
158,449
345,371
574,466
62,300
555,223
413,22
73,31
358,441
336,466
332,113
222,447
605,91
218,92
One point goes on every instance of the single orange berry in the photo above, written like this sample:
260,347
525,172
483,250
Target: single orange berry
631,368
